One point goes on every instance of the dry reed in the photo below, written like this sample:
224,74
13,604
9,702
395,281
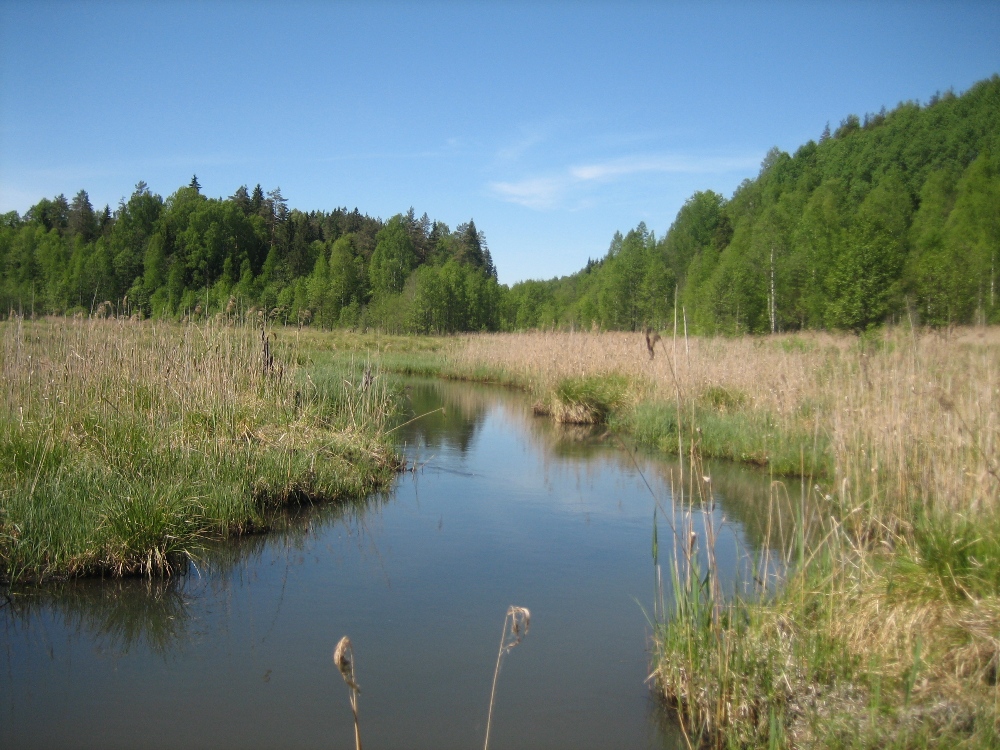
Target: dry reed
515,627
343,659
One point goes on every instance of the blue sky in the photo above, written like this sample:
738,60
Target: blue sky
552,125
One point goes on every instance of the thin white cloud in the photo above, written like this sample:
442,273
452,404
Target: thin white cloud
516,150
554,190
661,164
535,192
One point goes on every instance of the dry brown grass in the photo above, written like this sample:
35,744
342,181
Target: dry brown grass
516,624
919,411
343,659
888,631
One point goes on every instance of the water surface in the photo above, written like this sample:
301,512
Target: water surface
500,508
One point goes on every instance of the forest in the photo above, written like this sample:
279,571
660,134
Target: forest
893,216
890,217
193,256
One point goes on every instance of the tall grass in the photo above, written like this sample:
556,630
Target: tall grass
124,445
883,628
918,404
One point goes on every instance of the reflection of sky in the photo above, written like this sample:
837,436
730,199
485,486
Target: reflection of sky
504,510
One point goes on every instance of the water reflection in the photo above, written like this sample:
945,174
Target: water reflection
505,508
154,614
444,422
763,507
120,615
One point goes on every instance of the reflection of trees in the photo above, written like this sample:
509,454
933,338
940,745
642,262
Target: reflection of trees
125,613
445,414
764,509
573,441
122,612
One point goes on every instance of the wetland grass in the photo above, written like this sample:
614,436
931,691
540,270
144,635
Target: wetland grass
751,398
879,625
585,400
125,445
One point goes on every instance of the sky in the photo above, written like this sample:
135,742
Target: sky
552,125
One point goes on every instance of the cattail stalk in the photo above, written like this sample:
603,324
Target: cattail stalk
343,659
515,626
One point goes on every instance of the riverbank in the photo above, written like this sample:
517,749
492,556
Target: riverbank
124,445
883,630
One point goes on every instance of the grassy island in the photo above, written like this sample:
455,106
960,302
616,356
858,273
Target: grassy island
125,444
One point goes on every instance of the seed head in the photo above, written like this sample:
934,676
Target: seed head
343,659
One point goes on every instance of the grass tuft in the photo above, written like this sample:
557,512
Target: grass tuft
126,445
588,400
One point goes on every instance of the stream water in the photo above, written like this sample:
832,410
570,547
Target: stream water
501,508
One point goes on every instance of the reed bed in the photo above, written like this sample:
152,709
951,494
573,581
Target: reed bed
125,445
884,628
922,407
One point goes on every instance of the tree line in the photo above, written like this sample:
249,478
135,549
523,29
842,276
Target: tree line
190,255
889,217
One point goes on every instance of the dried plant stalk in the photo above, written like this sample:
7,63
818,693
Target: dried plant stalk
515,628
343,659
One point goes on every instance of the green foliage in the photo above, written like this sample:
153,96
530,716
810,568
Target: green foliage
864,280
894,216
393,258
723,399
195,257
589,399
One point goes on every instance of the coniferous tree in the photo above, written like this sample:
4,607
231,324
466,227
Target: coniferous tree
82,221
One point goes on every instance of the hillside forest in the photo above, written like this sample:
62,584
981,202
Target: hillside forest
890,217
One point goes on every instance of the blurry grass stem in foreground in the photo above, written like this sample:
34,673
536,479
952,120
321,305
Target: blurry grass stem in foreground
515,626
343,658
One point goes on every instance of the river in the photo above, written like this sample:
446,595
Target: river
499,508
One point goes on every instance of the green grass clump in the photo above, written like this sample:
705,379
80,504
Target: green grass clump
960,556
732,433
723,399
589,399
864,635
125,447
